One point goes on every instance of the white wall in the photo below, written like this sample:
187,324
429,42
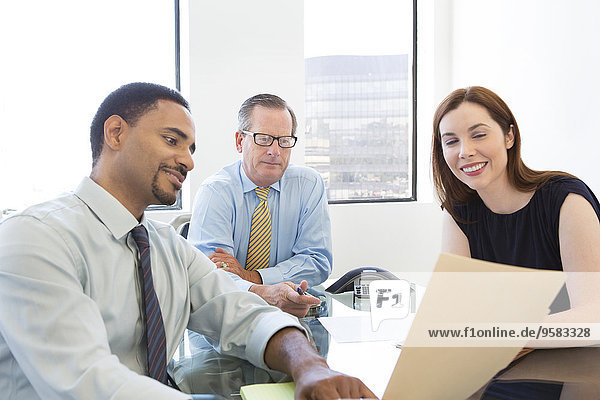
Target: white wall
239,49
540,56
543,59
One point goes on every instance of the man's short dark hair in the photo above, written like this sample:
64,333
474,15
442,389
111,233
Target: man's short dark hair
130,102
264,100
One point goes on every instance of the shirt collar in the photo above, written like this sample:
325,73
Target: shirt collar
108,209
248,185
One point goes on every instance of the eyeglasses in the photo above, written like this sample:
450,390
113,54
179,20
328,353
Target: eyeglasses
262,139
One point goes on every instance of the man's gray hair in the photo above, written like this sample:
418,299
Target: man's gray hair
264,100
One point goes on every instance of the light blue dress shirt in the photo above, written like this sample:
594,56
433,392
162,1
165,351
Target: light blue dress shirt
300,232
70,304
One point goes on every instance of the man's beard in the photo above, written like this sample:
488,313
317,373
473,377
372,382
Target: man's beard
164,197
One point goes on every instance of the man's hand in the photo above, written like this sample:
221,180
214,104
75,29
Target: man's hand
229,263
289,351
320,382
284,295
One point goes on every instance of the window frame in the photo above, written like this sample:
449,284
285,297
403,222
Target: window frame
178,205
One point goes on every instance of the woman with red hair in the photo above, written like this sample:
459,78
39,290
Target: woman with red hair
497,209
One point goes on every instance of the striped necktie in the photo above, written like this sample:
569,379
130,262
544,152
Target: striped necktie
259,246
155,330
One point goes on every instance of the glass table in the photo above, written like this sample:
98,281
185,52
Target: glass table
543,374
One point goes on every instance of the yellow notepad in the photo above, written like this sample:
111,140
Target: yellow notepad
269,391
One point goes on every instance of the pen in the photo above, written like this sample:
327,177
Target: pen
300,291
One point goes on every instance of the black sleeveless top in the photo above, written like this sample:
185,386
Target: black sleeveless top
527,237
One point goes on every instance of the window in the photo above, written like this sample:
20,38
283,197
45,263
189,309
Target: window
60,60
360,115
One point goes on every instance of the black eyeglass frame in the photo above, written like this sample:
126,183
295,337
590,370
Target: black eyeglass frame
273,138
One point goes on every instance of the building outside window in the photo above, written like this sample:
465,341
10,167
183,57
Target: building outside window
359,99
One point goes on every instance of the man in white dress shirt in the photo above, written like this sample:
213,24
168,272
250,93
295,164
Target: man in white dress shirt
72,320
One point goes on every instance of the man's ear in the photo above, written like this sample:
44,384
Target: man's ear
239,136
114,128
510,137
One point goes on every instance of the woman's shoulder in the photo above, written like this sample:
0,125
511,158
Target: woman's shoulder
562,185
556,190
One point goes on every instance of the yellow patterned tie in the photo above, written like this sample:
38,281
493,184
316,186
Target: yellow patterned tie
259,247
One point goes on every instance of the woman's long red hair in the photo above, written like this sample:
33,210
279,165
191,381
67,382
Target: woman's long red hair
448,187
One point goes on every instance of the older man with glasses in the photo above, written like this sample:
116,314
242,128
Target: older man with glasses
262,220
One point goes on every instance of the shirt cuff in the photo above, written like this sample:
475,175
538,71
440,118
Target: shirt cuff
263,331
243,285
271,276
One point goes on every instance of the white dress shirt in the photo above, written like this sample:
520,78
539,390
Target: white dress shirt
70,307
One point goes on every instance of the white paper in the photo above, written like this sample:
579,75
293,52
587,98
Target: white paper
456,372
357,328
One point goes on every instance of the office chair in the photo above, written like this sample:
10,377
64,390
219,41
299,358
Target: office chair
184,229
181,224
